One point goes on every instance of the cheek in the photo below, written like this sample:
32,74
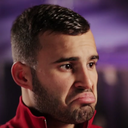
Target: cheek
61,83
58,85
94,79
95,85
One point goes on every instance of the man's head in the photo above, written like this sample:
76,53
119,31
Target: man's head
55,63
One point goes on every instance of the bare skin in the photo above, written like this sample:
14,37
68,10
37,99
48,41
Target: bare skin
63,86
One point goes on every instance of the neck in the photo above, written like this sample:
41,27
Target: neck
57,125
52,123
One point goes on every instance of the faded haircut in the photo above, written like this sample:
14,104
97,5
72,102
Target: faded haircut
37,20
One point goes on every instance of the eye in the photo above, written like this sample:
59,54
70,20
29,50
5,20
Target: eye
66,66
91,64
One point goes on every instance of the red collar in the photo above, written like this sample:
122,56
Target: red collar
25,119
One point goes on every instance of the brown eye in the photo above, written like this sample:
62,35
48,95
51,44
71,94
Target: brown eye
91,64
66,66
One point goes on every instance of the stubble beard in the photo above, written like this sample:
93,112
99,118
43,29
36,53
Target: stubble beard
51,107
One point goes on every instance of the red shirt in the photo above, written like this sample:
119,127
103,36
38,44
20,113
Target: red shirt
25,119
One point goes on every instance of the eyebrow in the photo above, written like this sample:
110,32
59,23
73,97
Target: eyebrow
94,57
66,59
75,59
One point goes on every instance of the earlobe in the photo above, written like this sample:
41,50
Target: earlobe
22,75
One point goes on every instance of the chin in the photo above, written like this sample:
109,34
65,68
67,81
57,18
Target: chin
79,115
83,114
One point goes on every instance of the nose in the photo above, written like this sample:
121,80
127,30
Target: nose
83,79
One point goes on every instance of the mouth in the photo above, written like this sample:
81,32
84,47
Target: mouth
84,98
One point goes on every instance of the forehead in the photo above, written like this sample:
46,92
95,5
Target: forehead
59,44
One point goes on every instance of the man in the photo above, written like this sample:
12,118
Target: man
55,60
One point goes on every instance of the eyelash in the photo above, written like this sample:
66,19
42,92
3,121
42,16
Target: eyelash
92,64
70,66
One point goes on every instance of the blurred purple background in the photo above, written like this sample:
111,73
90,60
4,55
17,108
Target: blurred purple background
109,24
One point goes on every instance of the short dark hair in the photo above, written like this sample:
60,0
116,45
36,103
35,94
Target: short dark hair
39,19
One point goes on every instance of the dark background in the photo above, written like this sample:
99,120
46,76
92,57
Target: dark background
109,24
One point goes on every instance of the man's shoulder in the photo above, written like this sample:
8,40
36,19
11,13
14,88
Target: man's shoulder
6,126
95,126
9,124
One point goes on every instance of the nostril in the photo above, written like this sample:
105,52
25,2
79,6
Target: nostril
79,86
83,86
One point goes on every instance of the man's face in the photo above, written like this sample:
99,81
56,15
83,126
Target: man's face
65,78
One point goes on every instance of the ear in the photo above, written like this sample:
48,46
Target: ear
21,74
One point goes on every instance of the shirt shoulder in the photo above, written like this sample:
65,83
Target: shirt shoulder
95,126
6,126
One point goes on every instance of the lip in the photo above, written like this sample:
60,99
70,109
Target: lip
84,98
